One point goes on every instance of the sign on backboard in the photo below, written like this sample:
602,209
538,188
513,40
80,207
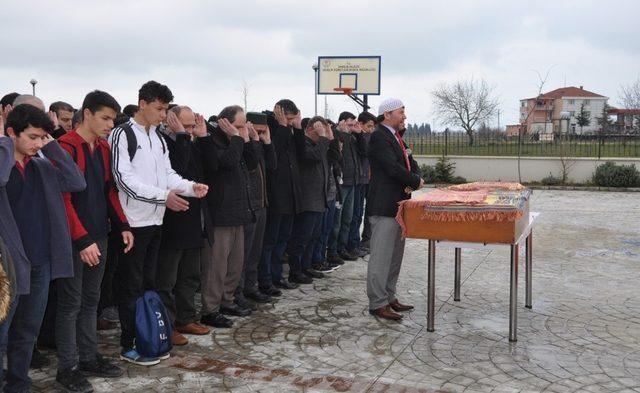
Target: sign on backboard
360,73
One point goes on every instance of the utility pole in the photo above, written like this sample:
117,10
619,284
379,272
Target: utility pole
315,90
33,85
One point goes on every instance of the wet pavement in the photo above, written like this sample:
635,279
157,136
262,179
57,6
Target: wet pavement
583,333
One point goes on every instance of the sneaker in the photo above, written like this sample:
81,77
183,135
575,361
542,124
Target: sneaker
324,267
361,253
300,278
216,319
73,380
100,367
335,260
110,314
313,274
348,255
165,356
132,356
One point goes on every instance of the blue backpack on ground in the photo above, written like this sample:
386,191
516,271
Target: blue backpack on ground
153,327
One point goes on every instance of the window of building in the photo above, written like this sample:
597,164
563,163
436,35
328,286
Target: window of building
572,113
572,102
586,102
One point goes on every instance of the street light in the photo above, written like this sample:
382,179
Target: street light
315,91
33,85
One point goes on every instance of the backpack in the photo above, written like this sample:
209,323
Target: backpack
132,141
153,327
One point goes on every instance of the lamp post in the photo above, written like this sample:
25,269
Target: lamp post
315,91
33,85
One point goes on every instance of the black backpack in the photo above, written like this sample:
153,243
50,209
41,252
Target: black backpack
132,141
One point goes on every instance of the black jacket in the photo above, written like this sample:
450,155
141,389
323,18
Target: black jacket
353,150
314,175
266,157
389,174
184,230
228,195
283,183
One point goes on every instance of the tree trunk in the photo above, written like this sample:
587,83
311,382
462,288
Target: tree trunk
470,135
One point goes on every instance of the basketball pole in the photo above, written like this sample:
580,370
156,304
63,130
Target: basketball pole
315,91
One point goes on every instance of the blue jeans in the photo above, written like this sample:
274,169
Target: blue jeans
319,252
306,231
276,235
356,220
338,240
20,330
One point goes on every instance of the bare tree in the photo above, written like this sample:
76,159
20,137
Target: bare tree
465,104
630,95
244,91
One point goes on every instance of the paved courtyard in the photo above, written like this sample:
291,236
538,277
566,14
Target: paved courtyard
583,333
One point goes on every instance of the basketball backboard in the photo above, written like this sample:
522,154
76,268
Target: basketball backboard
360,73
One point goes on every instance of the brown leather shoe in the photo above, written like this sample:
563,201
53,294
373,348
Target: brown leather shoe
193,328
178,339
103,324
397,306
386,313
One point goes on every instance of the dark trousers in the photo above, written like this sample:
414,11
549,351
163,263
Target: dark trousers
178,282
109,287
253,240
366,230
319,252
276,236
306,231
342,224
47,334
359,192
20,330
136,274
78,298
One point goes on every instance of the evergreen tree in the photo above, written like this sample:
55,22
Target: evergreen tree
604,121
583,118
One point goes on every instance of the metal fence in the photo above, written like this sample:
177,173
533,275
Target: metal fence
446,143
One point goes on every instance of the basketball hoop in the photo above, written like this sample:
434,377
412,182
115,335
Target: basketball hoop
344,90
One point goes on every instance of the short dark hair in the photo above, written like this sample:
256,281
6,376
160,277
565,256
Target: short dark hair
212,118
60,106
25,115
97,100
77,119
121,118
8,99
130,110
230,113
366,117
346,116
314,120
152,91
288,106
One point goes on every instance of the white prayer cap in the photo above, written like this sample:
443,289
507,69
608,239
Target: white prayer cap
389,105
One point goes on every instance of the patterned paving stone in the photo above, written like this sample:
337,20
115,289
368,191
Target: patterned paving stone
582,335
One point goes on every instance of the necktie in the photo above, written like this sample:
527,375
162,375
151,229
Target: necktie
404,151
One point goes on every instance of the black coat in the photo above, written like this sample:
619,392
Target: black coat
389,174
283,183
353,150
266,157
228,195
314,175
183,230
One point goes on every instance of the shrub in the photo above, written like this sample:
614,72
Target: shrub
444,169
458,180
612,175
551,180
428,173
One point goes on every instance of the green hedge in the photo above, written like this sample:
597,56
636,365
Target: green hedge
612,175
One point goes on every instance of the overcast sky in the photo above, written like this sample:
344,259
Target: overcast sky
205,50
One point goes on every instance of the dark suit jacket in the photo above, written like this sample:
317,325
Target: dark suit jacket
389,174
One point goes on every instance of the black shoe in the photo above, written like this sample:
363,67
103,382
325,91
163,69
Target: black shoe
365,245
283,284
313,274
258,297
242,302
361,252
39,360
216,319
271,291
73,380
335,260
100,367
300,278
235,311
324,267
348,256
